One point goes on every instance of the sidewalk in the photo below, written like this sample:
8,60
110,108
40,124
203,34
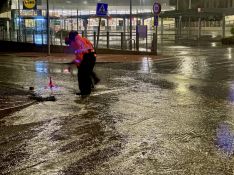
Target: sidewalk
100,57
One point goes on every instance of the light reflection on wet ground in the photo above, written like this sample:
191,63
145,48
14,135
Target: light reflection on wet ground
169,116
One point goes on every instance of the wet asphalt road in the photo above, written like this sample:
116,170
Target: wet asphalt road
170,116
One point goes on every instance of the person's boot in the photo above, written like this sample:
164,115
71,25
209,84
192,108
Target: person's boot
82,94
96,81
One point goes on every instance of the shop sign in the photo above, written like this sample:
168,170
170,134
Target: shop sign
29,4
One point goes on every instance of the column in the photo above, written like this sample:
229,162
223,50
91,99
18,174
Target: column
8,31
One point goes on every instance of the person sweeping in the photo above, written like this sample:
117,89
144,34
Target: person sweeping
85,59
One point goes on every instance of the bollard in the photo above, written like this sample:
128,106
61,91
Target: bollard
122,41
61,36
108,40
17,36
154,43
94,38
10,35
25,36
3,34
137,41
33,36
83,34
42,38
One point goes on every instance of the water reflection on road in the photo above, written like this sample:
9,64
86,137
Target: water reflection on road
167,116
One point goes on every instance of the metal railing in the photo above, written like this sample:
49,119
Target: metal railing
116,39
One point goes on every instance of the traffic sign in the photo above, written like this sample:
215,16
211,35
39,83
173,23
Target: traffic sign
29,4
156,8
102,9
141,30
156,20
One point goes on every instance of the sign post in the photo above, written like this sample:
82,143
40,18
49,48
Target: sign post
101,11
156,10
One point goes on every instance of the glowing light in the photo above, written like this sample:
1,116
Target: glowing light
146,64
182,88
66,71
187,66
41,67
213,44
229,53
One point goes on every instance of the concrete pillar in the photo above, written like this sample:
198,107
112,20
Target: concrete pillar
8,29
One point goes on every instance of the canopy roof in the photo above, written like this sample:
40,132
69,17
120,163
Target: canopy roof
115,5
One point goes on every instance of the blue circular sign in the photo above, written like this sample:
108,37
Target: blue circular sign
156,8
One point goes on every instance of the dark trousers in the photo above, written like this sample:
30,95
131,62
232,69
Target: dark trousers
85,73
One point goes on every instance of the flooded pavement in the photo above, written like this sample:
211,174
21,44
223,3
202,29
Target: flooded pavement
169,116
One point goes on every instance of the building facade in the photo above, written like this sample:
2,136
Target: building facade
183,18
194,4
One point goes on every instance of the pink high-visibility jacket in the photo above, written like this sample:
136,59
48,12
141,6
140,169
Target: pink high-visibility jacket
81,46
